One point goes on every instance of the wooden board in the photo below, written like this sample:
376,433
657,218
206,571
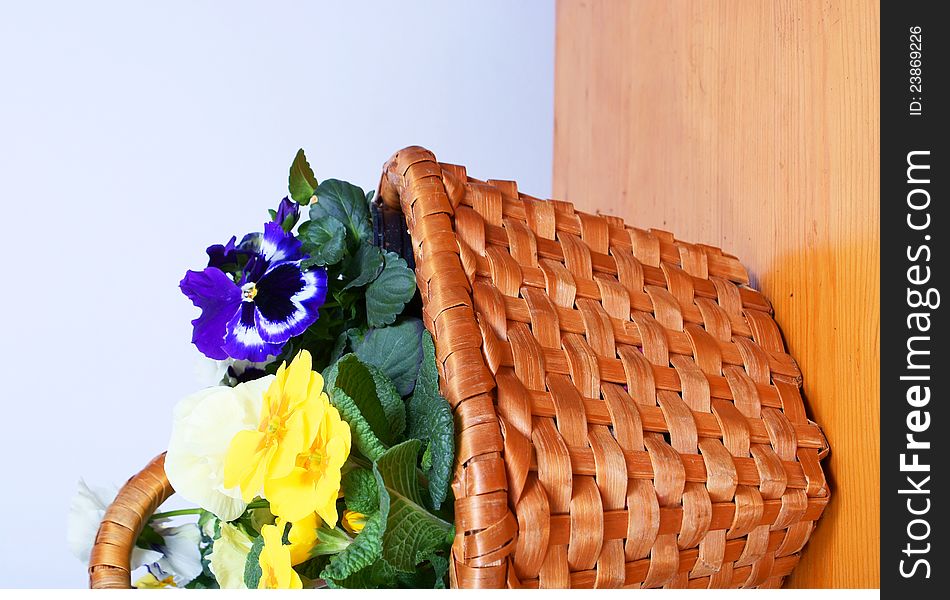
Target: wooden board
752,126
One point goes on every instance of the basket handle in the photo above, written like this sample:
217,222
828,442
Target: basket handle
121,525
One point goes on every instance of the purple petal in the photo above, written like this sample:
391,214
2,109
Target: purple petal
218,298
277,245
221,255
243,341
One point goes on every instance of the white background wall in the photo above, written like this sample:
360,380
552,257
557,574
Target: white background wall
134,134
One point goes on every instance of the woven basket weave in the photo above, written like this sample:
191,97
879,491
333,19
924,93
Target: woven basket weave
625,409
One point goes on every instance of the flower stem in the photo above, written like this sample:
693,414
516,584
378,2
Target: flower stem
175,513
197,511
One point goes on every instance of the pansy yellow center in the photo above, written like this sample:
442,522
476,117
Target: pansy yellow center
248,292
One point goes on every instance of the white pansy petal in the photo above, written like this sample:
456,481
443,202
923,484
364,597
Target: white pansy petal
85,513
141,556
182,556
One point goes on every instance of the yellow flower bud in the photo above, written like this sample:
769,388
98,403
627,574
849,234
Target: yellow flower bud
353,521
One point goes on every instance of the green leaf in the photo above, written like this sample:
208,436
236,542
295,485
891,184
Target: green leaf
324,241
412,532
363,437
345,203
440,565
430,420
149,538
396,350
392,402
360,490
311,568
301,181
202,582
365,550
389,293
364,266
380,574
252,566
353,377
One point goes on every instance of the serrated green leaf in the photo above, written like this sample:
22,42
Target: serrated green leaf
345,203
364,266
412,532
380,574
363,437
365,550
396,350
360,491
392,402
355,378
388,294
429,419
301,181
440,565
252,566
324,241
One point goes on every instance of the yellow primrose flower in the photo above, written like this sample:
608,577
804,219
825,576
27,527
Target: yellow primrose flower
353,521
276,571
314,482
302,537
270,451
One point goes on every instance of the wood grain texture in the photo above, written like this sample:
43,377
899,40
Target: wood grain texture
752,126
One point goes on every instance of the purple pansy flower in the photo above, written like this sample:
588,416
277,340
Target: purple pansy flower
273,301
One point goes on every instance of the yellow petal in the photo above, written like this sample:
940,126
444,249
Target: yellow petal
240,457
302,537
298,379
353,521
307,418
292,497
253,480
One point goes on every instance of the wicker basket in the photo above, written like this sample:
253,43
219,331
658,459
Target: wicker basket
626,412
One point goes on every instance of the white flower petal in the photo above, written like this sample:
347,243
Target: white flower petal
182,556
141,556
204,424
85,513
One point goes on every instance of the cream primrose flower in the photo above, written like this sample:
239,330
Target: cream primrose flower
203,426
229,555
